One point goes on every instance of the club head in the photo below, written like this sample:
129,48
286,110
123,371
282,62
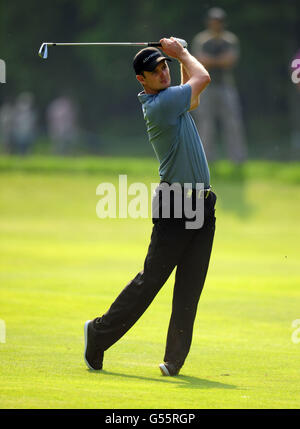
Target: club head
182,42
43,52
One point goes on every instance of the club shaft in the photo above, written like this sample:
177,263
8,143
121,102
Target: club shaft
103,44
43,51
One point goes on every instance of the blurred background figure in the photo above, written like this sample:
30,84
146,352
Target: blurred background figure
295,109
23,124
218,50
62,117
6,118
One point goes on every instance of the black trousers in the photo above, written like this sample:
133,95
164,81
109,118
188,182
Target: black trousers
172,245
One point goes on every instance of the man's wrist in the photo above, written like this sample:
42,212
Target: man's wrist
183,56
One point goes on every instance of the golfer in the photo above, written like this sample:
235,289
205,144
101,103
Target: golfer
178,147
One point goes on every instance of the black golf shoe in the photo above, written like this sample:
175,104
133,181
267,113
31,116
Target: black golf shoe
169,369
93,355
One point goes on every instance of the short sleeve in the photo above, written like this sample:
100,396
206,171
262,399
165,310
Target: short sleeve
174,101
197,45
235,46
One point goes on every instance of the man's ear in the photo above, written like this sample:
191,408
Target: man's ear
140,78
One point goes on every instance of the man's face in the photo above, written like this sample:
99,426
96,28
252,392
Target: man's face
156,80
215,25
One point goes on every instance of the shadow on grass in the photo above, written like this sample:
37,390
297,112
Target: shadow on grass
182,381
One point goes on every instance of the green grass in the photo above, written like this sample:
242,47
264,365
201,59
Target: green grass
60,265
141,167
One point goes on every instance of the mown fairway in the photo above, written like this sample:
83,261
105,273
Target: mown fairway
60,265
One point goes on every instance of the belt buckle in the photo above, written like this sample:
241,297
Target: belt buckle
189,193
204,192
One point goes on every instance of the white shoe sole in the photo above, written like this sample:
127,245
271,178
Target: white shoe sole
85,342
164,369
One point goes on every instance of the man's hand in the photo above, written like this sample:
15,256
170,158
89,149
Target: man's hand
193,72
225,61
172,47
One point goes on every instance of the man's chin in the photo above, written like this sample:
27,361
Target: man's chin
165,86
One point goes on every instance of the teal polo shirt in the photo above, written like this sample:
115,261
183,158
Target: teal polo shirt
174,136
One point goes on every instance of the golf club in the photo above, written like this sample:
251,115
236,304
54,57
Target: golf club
43,51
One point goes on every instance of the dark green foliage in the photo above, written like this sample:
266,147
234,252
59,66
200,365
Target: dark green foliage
102,79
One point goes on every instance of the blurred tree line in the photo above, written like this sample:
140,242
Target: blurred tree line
102,81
